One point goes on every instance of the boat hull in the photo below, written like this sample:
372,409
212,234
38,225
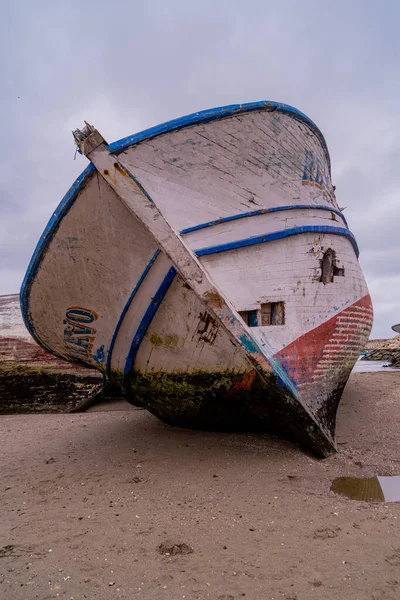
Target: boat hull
248,192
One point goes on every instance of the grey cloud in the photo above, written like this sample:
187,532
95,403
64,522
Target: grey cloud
126,66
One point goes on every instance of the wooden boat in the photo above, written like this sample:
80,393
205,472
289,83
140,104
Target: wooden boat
205,267
32,379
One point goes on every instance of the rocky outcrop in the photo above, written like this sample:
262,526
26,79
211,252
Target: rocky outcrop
384,349
384,344
389,355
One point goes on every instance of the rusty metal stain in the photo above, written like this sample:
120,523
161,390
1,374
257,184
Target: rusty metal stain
120,170
214,299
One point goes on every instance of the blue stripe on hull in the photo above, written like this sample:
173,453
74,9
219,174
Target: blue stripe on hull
279,235
145,322
214,114
262,211
41,247
127,305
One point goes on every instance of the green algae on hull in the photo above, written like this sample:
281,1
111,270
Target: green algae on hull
227,401
180,398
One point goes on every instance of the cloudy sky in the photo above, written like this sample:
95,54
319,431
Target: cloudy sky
127,65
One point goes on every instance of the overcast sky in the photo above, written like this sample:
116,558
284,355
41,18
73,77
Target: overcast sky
127,65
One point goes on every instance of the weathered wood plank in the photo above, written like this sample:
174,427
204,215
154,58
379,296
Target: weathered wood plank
33,380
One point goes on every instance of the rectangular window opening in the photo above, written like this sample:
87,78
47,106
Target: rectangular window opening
245,315
273,313
338,271
250,317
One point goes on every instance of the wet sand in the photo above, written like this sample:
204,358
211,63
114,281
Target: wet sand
111,503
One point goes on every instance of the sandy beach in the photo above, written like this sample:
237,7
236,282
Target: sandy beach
111,503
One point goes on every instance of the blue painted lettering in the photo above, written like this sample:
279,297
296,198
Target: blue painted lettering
78,336
308,168
81,315
319,173
315,171
75,328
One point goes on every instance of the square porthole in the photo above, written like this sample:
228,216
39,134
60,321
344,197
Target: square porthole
273,313
270,313
250,317
338,271
245,315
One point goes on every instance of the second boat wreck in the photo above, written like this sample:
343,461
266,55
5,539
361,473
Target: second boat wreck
205,268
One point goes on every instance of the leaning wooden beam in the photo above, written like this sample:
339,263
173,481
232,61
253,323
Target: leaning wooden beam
33,380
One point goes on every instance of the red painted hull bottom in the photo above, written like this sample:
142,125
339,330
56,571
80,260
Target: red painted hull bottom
320,362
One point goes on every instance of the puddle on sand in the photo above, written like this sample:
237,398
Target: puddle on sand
383,489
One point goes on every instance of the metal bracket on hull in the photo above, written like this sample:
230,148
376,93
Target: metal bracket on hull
134,196
88,139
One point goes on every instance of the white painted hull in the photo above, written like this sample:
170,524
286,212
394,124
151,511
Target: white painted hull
248,192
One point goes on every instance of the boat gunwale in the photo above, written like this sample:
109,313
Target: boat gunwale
205,116
262,211
42,247
278,235
216,114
